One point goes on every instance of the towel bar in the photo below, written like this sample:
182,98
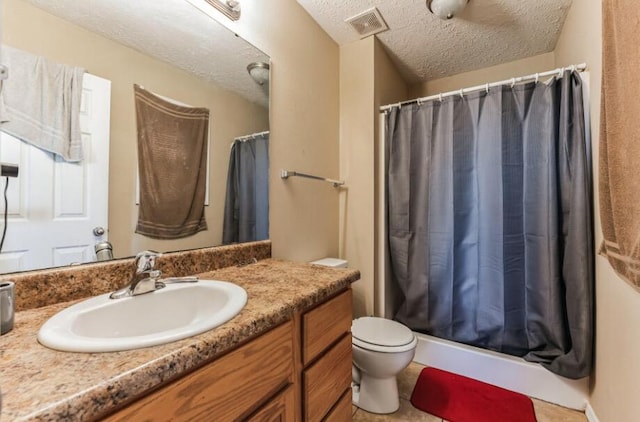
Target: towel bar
285,174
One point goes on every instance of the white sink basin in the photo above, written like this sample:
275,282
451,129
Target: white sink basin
178,311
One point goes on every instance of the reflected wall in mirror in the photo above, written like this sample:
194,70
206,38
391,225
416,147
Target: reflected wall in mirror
172,49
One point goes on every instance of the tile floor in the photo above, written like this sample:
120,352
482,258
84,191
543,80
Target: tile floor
545,412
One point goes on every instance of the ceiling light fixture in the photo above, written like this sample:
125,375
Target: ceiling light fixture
446,9
259,72
229,8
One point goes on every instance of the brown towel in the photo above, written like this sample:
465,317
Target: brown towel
620,138
172,160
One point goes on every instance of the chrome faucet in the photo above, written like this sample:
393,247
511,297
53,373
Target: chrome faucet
146,278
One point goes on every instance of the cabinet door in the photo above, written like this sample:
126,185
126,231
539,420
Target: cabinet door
280,409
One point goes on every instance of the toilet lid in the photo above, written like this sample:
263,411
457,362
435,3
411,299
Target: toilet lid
381,332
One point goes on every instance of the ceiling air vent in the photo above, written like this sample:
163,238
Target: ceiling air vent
368,22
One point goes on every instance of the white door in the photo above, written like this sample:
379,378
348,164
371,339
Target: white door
54,205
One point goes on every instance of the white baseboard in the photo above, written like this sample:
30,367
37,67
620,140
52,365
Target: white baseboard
591,414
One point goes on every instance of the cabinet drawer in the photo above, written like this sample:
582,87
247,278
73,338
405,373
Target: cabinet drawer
226,389
342,411
326,380
323,325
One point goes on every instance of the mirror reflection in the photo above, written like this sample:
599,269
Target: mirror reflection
137,168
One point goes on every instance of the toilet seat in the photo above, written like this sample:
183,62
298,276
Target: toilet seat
382,335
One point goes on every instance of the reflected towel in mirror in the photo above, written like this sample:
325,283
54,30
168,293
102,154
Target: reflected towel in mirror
172,162
40,103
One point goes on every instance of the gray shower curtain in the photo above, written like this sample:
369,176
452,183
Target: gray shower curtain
246,209
490,225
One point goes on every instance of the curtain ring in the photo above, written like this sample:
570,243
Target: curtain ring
487,87
419,102
573,68
537,77
440,97
513,82
462,93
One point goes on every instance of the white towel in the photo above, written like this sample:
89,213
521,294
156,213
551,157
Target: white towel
40,103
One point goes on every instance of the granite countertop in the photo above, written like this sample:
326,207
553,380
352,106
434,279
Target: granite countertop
38,383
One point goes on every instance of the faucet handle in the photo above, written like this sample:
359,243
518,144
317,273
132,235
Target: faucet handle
146,261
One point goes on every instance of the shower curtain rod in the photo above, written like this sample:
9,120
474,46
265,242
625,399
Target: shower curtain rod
253,135
536,76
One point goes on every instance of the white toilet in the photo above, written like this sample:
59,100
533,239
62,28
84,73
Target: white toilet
381,350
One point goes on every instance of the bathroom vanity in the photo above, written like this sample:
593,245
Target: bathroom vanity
286,356
307,357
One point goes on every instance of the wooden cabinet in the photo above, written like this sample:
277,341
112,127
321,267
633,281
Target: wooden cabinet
298,371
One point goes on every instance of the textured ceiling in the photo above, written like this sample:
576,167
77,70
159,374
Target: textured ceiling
173,31
423,47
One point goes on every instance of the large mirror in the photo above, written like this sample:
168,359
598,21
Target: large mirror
59,211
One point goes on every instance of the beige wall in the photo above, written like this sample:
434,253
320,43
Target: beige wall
368,79
500,72
390,87
34,30
616,380
357,123
304,125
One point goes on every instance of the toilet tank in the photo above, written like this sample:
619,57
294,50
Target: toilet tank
331,262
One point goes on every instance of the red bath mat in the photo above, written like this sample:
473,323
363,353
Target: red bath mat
460,399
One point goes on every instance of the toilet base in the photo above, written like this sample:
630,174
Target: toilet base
376,395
